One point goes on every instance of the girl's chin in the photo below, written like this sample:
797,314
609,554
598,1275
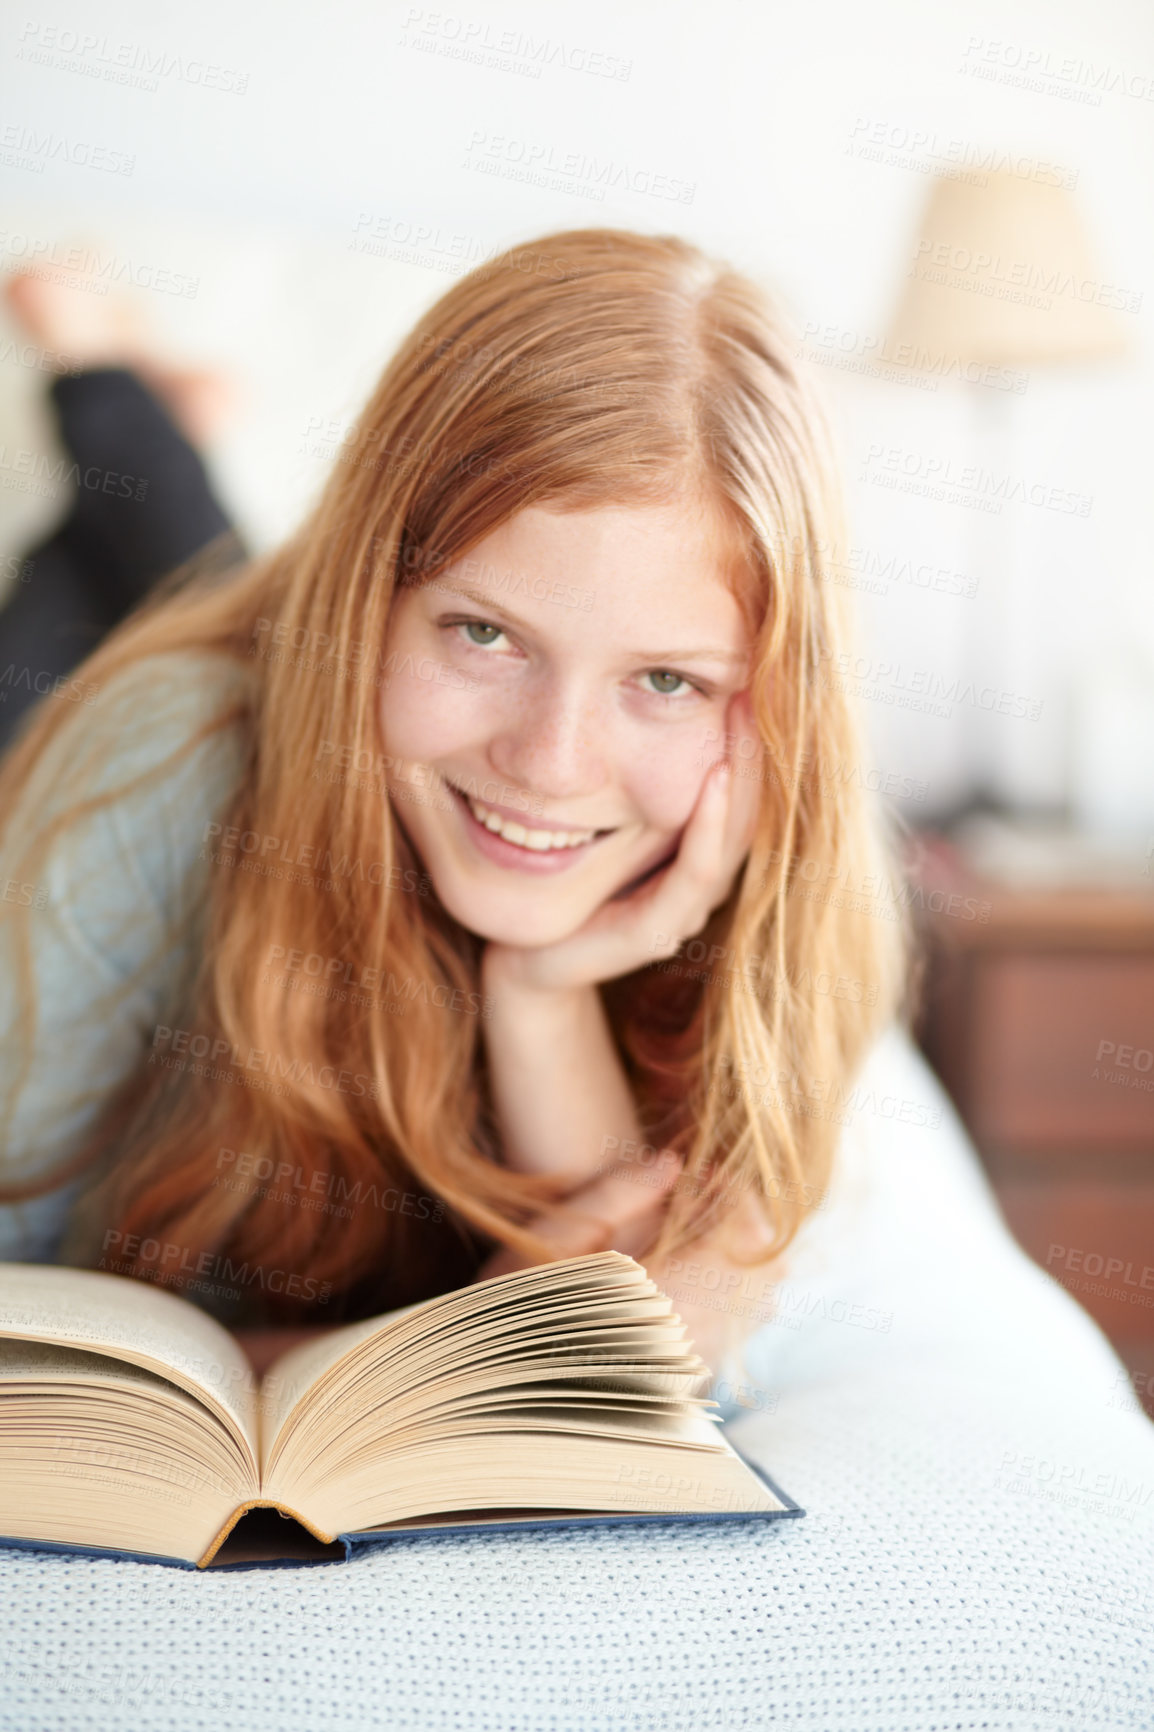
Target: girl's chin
527,920
530,909
527,913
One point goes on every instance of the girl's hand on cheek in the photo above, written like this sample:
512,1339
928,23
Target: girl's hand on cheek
654,920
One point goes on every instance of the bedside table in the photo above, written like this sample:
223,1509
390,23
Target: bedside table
1038,1015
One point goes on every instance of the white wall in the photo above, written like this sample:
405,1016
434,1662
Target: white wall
256,192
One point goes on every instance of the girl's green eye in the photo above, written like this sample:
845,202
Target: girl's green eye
484,634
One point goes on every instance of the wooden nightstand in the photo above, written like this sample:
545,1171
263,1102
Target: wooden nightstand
1038,1015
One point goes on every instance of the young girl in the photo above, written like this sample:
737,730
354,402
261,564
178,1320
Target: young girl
451,889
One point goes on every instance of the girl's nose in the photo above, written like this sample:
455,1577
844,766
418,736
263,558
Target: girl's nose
554,747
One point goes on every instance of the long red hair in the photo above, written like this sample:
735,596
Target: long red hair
593,367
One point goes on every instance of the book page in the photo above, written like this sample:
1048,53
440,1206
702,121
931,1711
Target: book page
98,1451
45,1362
536,1470
295,1372
138,1322
290,1378
489,1325
74,1373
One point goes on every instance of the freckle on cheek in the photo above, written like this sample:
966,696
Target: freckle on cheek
668,792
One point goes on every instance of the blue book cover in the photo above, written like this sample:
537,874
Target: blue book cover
551,1367
264,1538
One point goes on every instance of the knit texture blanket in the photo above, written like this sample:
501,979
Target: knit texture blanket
977,1552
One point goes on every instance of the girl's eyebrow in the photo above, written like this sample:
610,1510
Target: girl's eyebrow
656,657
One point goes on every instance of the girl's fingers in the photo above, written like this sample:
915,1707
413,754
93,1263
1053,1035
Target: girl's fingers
568,1233
744,806
713,846
618,1211
628,1192
713,851
744,782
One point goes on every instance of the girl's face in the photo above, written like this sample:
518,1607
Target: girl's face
555,699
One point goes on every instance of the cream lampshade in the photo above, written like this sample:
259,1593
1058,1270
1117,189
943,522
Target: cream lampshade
1003,274
1003,277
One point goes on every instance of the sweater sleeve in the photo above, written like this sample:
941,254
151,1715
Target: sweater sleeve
110,908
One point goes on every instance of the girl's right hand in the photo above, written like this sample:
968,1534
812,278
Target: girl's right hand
654,920
610,1215
619,1210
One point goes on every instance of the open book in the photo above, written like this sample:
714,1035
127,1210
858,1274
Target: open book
130,1420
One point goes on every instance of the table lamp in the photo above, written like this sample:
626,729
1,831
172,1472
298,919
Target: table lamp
1003,276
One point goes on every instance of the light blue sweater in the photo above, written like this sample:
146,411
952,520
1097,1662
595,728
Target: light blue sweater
116,902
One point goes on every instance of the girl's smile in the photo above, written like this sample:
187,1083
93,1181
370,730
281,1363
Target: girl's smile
525,847
590,724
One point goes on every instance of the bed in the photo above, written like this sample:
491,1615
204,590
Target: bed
977,1552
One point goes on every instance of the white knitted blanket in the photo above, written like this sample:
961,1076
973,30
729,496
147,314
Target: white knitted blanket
977,1553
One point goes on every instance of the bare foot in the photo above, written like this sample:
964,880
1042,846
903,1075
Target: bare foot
202,400
78,328
82,327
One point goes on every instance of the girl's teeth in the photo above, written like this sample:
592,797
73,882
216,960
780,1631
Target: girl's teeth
539,840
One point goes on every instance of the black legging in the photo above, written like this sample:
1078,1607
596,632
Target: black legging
143,506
